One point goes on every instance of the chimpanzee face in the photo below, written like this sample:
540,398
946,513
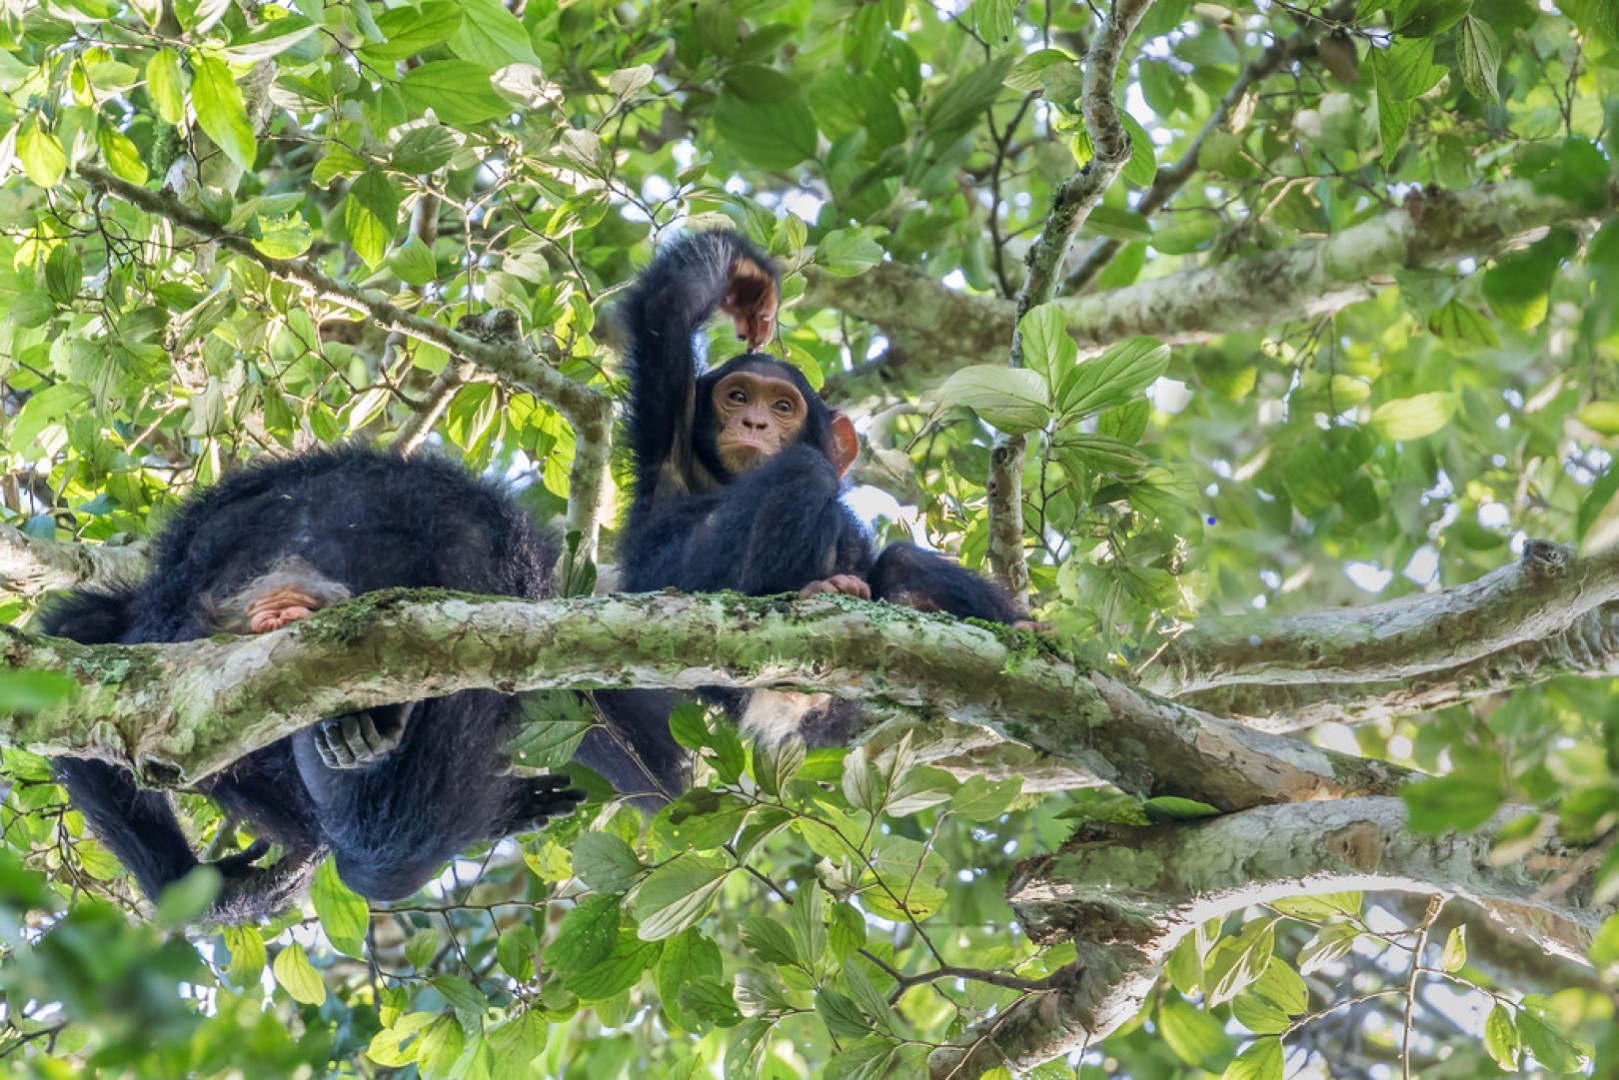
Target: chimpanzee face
757,414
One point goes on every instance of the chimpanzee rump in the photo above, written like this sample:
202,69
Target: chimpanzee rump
393,792
739,470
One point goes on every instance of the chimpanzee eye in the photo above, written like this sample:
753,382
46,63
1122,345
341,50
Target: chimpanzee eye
784,406
738,397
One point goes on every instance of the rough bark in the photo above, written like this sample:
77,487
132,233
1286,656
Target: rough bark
937,329
178,712
1546,614
30,565
1131,897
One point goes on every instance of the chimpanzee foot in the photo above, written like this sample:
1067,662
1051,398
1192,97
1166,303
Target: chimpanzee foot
359,740
537,800
842,584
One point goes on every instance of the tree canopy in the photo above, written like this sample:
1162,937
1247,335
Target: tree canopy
1269,349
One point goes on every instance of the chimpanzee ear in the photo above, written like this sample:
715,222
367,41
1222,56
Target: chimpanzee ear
845,443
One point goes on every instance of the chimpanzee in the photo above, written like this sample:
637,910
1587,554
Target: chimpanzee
739,470
393,791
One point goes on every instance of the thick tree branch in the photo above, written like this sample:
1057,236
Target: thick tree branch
178,712
588,412
939,329
1132,897
1544,615
1071,204
30,565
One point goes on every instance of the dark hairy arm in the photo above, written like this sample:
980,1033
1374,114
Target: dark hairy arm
689,280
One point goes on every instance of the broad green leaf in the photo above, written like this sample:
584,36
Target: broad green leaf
1111,379
1501,1040
586,936
605,863
284,238
1116,223
770,941
1261,1061
1012,400
618,971
41,154
1047,348
1236,962
1479,58
120,153
395,1046
1424,18
1330,943
1460,801
457,91
1258,1015
369,214
848,252
409,30
424,149
963,101
993,19
1029,74
1454,957
1142,168
270,40
1195,1035
247,954
491,37
677,894
982,799
515,951
220,112
166,83
413,261
777,763
767,134
344,914
297,977
1414,417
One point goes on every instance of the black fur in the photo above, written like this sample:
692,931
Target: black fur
693,526
367,520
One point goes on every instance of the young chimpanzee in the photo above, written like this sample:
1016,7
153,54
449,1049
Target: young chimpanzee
395,791
739,470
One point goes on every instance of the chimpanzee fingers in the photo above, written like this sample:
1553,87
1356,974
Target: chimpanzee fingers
352,741
844,584
543,798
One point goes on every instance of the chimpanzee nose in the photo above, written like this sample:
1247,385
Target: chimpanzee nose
754,421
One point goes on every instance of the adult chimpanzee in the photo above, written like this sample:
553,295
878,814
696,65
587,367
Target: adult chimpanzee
392,791
739,470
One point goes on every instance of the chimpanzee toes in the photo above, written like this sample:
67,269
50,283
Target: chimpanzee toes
238,863
359,740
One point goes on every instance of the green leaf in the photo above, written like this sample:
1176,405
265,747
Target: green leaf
270,40
220,111
1258,1015
586,936
1464,328
121,154
1111,379
1194,1035
409,30
1261,1061
344,914
620,970
1501,1040
993,18
770,941
247,954
1459,801
691,961
1283,987
1414,417
1424,18
982,799
775,764
959,106
605,863
491,37
1047,348
1012,400
677,894
166,84
768,134
369,214
1393,118
1518,285
425,148
413,261
41,154
1479,58
1116,223
1030,73
421,947
1546,1040
1454,957
297,977
841,1015
1406,70
457,91
515,952
1330,943
1142,168
283,238
1236,962
848,252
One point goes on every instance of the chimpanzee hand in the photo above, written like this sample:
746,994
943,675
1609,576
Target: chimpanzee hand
360,739
540,798
842,584
750,299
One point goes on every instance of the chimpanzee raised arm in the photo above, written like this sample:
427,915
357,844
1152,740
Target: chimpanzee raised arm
739,470
393,791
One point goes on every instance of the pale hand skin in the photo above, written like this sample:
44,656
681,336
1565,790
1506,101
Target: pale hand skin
840,585
750,300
